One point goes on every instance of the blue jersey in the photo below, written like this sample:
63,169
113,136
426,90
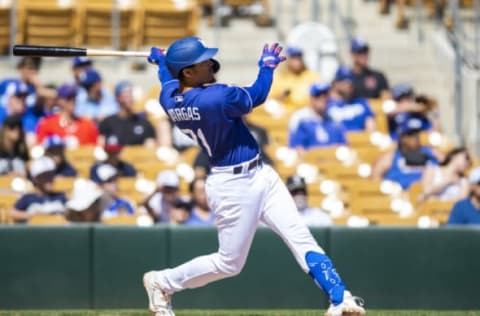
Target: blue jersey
7,88
308,130
406,175
464,212
212,116
195,220
50,203
352,114
117,207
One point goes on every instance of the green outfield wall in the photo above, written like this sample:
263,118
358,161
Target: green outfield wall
90,266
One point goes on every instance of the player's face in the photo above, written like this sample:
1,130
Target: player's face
201,73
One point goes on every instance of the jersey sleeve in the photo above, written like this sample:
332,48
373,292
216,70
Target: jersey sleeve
296,137
456,215
22,203
368,109
237,101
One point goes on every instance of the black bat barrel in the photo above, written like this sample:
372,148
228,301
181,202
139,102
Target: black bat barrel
50,51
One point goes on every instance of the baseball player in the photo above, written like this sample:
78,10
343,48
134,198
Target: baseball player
241,190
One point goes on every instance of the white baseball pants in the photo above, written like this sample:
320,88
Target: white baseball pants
240,202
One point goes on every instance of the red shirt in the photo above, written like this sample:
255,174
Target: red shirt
83,129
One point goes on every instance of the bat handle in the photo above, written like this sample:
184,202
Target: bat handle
102,52
31,50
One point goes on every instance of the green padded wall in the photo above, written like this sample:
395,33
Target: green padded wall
410,268
271,277
121,256
42,267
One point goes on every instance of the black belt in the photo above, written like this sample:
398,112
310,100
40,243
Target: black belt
251,165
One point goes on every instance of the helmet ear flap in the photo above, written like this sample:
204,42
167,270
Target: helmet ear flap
216,65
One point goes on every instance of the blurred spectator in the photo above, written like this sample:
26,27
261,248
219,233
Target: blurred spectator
44,200
13,149
406,164
354,113
107,177
311,127
130,128
467,210
94,101
201,214
447,181
160,202
79,65
367,82
312,216
407,106
180,211
113,149
76,130
292,81
54,147
85,204
28,68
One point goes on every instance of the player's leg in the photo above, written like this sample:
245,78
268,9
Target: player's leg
281,215
236,200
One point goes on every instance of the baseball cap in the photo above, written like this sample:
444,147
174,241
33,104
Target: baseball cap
182,203
42,165
14,120
317,89
81,61
474,176
344,73
122,85
401,90
358,45
84,194
53,141
411,125
296,182
67,91
20,89
105,172
293,51
89,77
168,178
112,144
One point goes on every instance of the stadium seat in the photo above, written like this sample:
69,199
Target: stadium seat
64,184
120,220
392,219
47,220
7,201
439,210
4,29
371,205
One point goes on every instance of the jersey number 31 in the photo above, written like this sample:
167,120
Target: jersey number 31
199,138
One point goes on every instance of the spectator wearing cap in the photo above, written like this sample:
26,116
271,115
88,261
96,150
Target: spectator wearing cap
94,100
128,127
106,176
113,150
160,202
180,211
79,65
75,130
201,214
467,210
312,216
407,163
292,81
354,113
367,82
44,200
408,105
311,126
13,148
86,203
447,181
54,147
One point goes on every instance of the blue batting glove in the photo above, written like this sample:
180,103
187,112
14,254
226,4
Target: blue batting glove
157,56
271,56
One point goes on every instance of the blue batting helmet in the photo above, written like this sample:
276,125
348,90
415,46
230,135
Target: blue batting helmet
188,51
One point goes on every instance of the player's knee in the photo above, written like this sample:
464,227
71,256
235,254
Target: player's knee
231,266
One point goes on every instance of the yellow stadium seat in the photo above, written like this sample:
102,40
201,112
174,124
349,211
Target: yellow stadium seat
439,210
368,205
84,154
120,220
64,184
7,201
392,219
47,220
4,29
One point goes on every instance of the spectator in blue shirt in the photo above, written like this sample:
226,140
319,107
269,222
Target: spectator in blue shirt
406,164
79,65
467,211
107,177
354,113
311,127
113,149
44,200
54,147
201,214
94,101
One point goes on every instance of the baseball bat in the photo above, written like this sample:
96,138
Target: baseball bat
59,51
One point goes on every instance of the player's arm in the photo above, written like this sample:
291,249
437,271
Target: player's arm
157,57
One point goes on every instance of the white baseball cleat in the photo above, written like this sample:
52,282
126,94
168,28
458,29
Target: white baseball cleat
159,302
351,306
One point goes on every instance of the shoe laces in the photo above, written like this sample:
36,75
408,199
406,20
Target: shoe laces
359,301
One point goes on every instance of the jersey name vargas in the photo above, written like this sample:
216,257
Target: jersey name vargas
184,114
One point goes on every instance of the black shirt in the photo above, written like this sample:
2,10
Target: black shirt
369,84
132,130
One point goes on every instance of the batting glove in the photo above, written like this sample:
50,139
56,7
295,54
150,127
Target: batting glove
157,56
271,56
